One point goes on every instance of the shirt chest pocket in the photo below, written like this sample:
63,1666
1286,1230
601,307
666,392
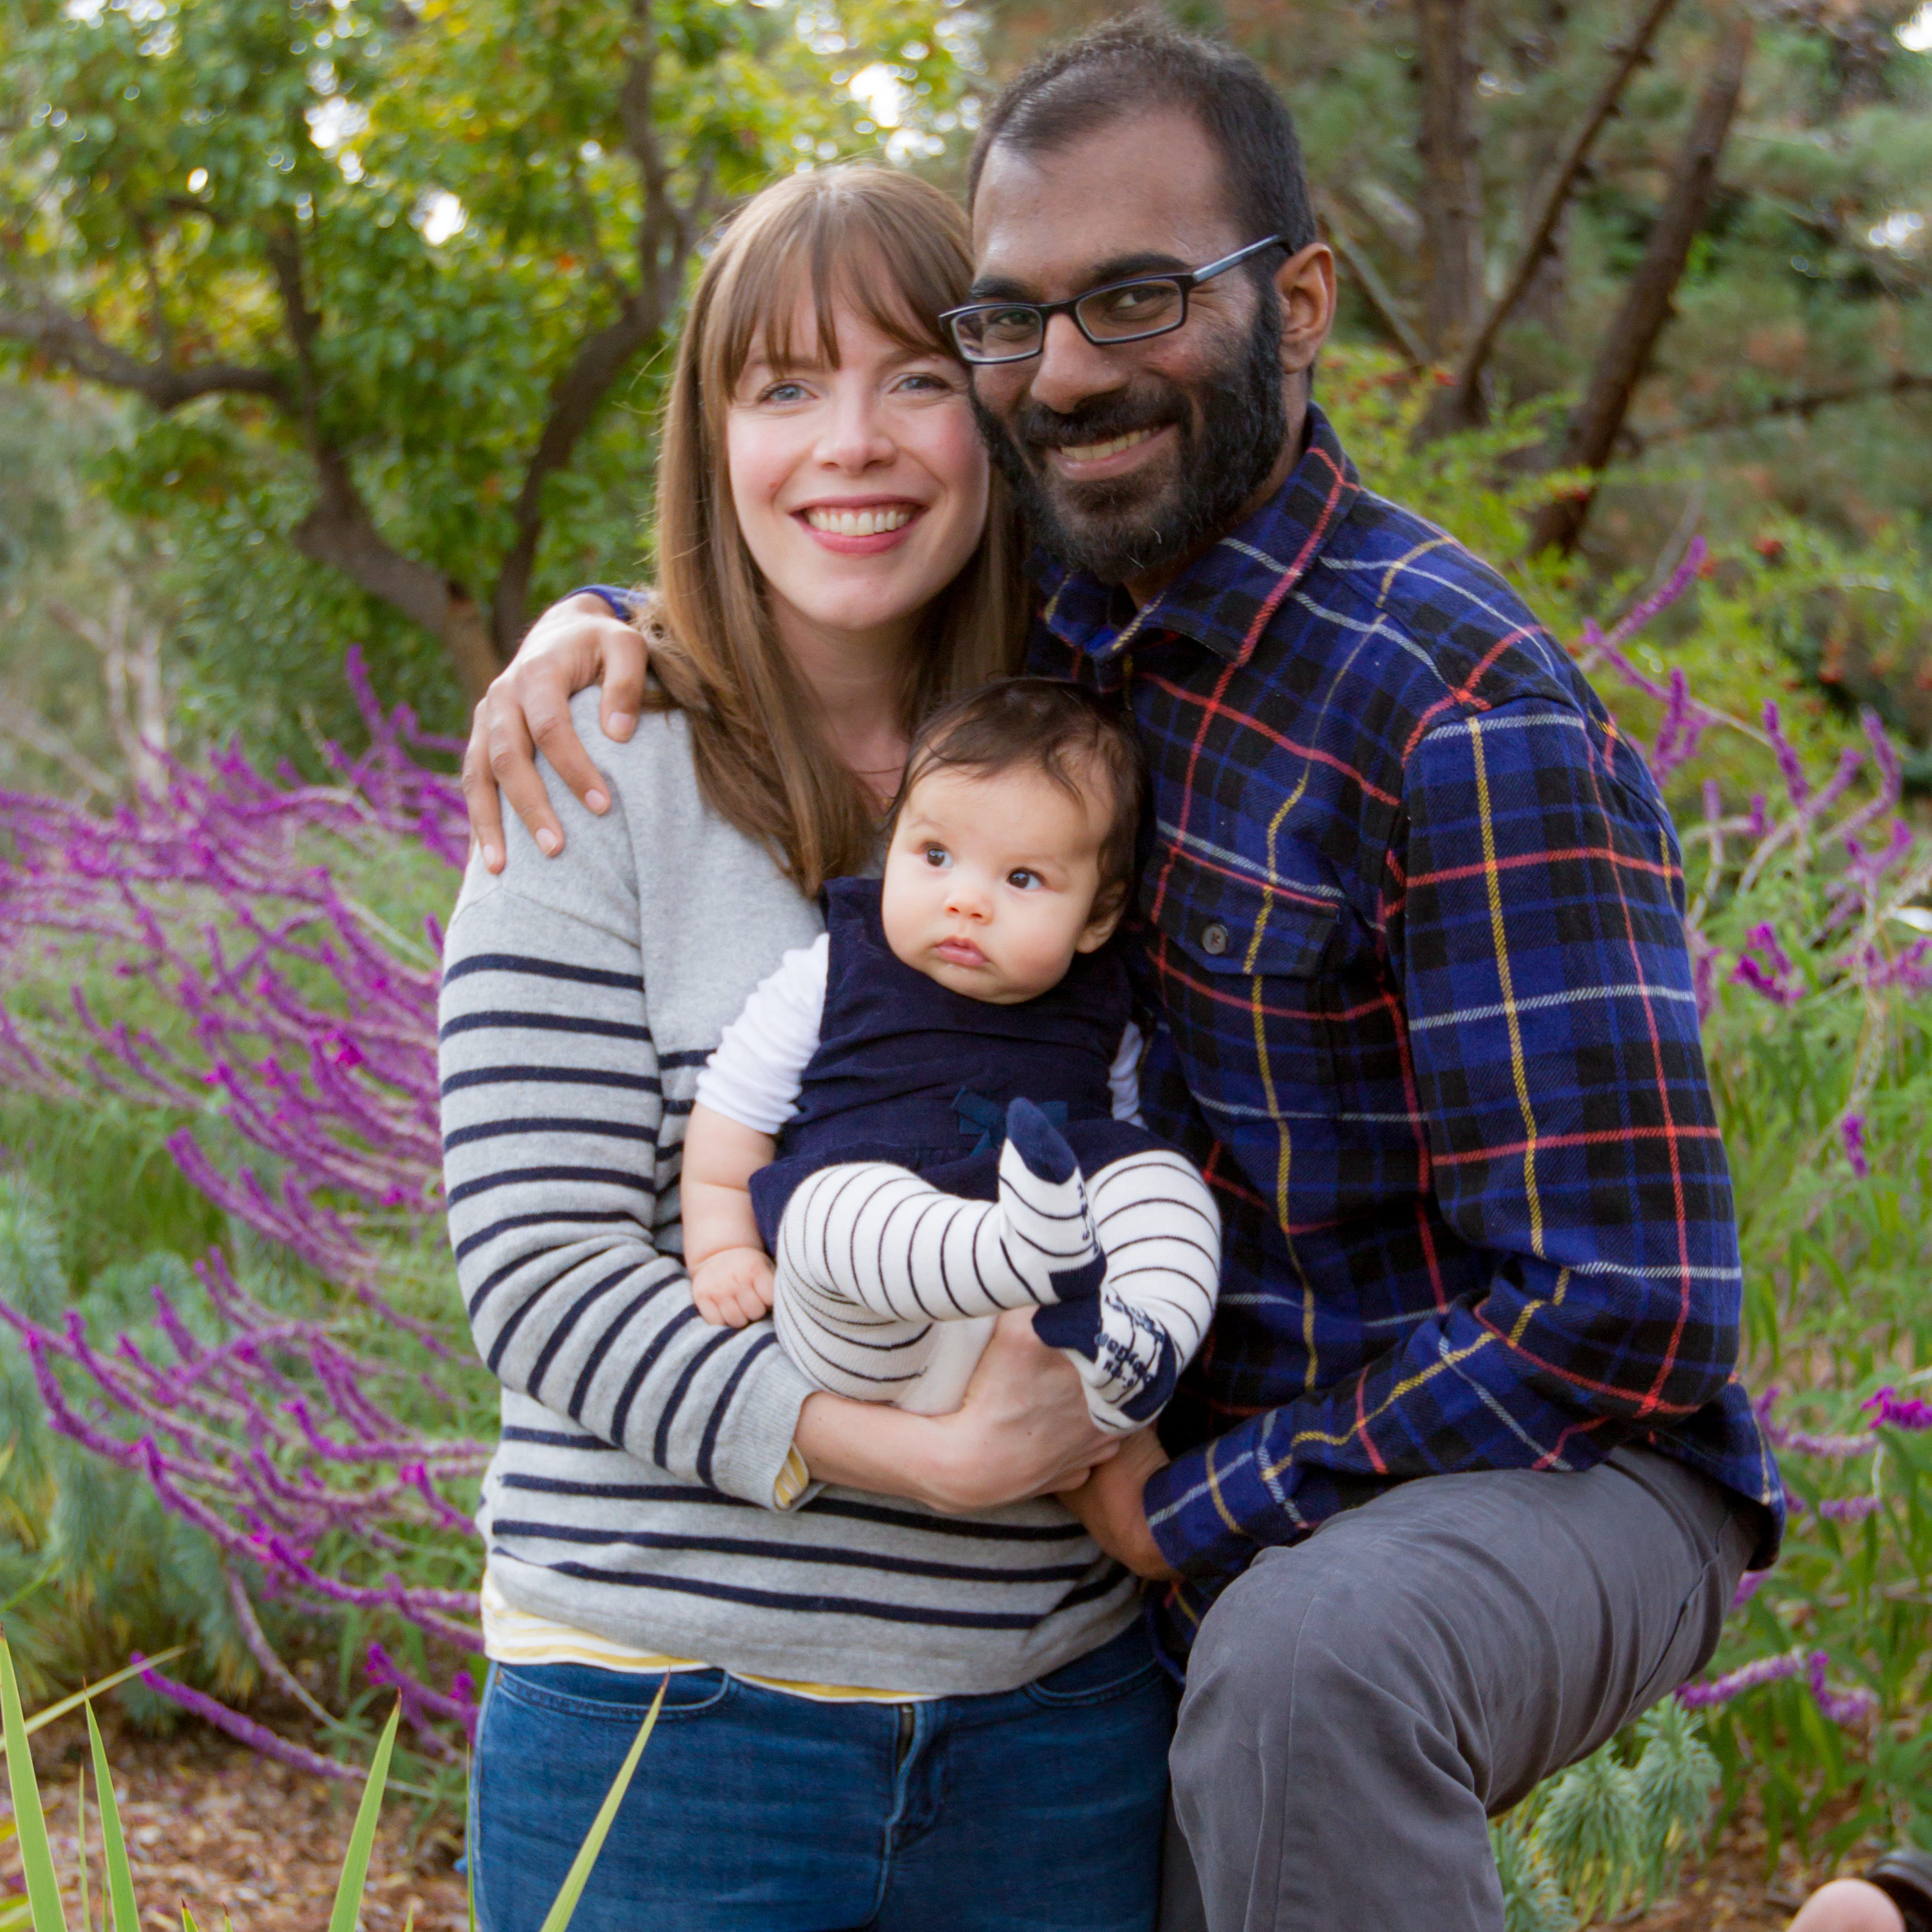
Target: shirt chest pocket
1241,967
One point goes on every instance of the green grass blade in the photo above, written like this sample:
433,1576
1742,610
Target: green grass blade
40,1720
80,1838
188,1921
126,1915
36,1859
362,1840
578,1876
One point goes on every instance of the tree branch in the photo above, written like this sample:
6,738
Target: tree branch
69,339
1632,334
1463,402
1373,289
664,235
1900,383
1451,198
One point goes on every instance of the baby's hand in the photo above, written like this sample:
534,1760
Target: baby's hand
733,1287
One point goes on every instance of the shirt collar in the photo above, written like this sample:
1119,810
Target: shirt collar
1226,597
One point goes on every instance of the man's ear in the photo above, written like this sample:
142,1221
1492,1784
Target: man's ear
1306,285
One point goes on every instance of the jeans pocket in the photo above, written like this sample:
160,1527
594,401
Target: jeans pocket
582,1690
1117,1669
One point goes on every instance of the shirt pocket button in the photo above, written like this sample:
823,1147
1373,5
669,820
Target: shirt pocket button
1214,939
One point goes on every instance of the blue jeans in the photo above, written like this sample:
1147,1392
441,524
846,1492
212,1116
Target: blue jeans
1038,1810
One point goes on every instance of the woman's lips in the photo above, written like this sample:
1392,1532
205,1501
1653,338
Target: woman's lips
959,953
859,530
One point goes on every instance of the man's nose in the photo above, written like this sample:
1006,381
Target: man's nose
1071,371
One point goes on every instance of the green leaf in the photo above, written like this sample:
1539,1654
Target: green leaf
37,1858
126,1915
362,1840
40,1720
578,1876
188,1921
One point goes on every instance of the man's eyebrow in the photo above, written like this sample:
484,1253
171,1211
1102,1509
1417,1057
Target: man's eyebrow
1115,268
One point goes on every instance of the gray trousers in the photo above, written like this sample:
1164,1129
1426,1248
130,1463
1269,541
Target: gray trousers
1358,1705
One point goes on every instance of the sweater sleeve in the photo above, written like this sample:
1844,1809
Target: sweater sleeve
561,1159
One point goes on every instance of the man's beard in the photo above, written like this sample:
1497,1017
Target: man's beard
1230,428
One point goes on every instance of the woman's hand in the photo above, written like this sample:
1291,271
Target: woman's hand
1023,1431
526,710
1110,1504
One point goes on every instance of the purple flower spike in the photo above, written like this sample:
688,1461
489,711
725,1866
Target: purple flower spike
1851,1133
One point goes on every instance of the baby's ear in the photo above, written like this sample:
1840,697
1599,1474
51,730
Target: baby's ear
1108,909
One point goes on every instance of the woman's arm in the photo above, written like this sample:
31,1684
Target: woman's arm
1022,1431
553,1111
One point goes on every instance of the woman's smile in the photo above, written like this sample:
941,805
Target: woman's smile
861,526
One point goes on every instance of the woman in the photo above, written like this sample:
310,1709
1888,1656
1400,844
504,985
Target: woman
903,1688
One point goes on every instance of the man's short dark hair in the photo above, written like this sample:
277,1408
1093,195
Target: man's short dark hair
1143,61
1070,734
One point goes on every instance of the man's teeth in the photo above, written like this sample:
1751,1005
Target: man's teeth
1092,452
857,523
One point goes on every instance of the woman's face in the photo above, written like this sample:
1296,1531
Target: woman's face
861,489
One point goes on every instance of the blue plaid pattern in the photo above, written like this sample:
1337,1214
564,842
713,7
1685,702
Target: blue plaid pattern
1412,916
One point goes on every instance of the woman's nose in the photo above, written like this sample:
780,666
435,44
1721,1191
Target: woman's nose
856,435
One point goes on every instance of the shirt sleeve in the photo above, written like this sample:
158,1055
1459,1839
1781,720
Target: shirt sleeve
755,1076
1536,941
1123,1077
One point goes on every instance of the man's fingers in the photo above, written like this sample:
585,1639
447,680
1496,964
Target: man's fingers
479,791
625,656
547,715
513,769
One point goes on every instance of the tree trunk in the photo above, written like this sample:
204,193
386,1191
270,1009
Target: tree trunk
1452,188
1633,336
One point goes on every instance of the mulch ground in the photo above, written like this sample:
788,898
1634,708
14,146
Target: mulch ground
211,1825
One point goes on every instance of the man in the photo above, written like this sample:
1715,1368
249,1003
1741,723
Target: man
1412,912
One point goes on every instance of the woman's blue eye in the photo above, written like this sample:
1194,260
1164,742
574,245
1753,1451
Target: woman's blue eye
784,392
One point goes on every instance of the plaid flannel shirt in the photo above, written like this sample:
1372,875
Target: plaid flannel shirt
1412,916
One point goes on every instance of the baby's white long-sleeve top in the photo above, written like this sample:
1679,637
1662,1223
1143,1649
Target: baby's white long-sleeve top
755,1075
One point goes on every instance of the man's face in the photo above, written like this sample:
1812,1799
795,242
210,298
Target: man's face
1129,458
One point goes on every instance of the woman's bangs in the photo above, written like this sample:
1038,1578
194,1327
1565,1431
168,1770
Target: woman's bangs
844,254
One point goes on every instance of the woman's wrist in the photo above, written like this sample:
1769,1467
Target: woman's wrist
872,1446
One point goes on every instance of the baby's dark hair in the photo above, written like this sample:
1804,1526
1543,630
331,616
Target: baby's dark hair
1059,729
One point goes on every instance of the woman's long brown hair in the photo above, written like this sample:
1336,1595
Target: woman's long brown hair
898,251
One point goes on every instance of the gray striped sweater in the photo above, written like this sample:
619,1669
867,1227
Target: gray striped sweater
631,1495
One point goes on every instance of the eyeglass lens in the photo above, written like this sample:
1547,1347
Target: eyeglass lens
1120,314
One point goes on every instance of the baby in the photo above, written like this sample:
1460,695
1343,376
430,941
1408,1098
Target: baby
931,1114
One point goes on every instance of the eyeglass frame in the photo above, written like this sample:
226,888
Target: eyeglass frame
1187,281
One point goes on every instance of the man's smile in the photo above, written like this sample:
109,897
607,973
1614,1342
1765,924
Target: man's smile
1115,457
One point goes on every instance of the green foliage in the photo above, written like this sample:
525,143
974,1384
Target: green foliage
1613,1830
409,242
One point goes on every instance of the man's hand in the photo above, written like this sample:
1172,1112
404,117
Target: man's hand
526,710
733,1289
1110,1503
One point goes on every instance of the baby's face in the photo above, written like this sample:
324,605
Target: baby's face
991,881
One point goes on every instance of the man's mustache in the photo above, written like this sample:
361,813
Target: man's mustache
1035,427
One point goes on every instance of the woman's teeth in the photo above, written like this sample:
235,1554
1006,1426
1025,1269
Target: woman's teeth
1092,452
857,523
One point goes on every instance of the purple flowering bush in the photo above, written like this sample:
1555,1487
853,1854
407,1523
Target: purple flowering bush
249,963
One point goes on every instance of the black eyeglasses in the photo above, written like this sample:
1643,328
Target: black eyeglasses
1011,332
